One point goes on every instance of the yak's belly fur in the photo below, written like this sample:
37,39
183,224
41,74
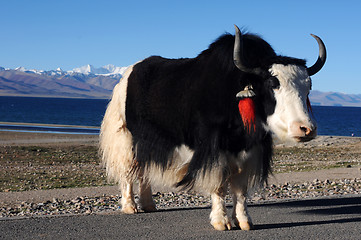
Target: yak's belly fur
210,179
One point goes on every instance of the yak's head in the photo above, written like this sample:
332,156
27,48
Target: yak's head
285,86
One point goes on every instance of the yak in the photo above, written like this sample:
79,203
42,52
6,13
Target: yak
206,123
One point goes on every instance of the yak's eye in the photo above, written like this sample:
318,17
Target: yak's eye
274,83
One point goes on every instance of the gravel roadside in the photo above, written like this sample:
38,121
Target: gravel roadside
107,199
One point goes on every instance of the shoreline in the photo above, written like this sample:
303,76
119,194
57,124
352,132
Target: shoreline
48,128
9,138
46,124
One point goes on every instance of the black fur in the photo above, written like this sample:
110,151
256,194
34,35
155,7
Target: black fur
193,101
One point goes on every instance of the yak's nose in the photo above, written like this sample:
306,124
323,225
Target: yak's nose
306,130
302,132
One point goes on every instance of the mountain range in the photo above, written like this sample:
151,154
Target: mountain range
91,82
83,82
335,99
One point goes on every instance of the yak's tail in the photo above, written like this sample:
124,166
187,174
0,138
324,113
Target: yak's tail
116,143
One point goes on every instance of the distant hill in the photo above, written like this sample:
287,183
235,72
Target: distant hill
334,99
90,82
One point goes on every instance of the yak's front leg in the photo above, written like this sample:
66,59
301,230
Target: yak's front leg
240,214
128,203
219,218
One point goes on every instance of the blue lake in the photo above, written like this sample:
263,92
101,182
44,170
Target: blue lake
339,121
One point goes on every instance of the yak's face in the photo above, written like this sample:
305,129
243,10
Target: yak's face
286,85
291,119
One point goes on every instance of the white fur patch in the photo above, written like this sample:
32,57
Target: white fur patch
291,97
208,182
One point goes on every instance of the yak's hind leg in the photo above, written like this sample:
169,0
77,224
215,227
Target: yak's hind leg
145,196
116,145
128,204
219,218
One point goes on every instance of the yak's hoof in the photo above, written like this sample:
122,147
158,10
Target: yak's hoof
245,226
221,226
150,208
129,209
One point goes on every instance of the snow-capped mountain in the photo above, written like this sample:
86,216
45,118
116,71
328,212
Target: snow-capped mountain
86,82
107,70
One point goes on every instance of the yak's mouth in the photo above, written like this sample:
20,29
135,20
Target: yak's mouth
286,137
303,139
306,138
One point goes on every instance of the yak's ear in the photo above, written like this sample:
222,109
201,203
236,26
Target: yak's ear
247,92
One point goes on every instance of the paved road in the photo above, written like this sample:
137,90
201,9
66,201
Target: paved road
326,218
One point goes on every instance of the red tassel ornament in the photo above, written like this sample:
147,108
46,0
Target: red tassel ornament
247,111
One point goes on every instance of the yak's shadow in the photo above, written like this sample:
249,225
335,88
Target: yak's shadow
343,209
300,224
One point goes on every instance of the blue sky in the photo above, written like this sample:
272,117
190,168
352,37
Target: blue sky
46,35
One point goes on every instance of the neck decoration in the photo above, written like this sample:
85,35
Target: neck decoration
246,108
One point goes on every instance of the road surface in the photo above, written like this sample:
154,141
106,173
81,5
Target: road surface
322,218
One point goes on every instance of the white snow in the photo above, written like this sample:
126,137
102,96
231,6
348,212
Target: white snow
107,70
